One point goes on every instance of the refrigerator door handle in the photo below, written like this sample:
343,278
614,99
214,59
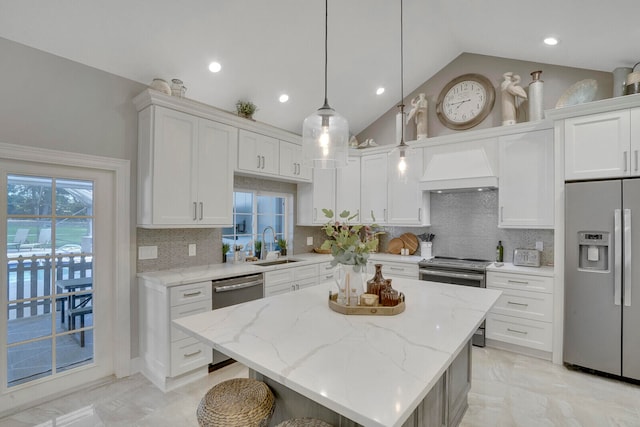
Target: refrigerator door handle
617,268
627,257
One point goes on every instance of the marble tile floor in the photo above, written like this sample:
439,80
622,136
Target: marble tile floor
507,390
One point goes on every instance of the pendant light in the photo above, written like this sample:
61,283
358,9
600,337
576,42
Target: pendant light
325,133
402,149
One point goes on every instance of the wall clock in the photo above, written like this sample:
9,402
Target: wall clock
465,101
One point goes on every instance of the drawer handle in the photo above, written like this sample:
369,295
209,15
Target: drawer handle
193,354
328,276
518,281
516,331
192,294
518,303
396,268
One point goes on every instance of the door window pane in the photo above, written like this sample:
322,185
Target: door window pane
28,362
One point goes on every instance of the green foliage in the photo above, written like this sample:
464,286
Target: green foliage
246,108
225,248
257,245
349,244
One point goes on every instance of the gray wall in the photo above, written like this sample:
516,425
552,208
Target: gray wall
50,102
556,79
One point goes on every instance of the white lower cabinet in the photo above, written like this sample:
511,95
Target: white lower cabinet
326,271
166,352
290,279
523,315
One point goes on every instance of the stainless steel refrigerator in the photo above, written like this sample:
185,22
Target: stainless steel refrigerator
602,276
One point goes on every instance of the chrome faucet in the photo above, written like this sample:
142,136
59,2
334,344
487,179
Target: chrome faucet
264,253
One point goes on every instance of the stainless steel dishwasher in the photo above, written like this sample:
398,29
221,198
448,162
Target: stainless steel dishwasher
231,291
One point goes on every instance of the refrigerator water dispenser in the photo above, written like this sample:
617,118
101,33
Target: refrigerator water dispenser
593,247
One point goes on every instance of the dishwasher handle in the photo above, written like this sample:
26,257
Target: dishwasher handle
227,285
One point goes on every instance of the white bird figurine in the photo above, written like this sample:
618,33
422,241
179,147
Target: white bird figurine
510,90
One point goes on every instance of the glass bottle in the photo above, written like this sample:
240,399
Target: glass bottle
377,282
499,252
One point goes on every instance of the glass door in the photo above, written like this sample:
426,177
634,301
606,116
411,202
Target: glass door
50,294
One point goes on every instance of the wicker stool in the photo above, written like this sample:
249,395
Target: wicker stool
240,402
304,422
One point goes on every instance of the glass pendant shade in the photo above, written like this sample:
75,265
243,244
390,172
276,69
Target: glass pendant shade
325,139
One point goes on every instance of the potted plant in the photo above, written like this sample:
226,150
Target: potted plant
282,243
225,249
246,109
257,248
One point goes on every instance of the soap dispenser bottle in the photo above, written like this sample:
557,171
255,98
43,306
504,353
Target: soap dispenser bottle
499,252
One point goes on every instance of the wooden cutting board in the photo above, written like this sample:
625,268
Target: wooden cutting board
410,242
394,246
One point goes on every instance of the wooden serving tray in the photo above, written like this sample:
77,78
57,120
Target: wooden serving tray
372,310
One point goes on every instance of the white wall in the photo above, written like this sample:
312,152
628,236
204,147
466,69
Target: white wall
50,102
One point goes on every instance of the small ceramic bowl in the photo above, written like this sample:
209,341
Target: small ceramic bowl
369,299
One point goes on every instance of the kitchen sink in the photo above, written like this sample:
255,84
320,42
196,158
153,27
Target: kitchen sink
276,262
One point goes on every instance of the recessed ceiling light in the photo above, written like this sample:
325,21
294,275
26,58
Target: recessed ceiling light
283,98
214,67
551,41
380,91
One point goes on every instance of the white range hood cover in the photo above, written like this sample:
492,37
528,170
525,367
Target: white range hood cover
461,168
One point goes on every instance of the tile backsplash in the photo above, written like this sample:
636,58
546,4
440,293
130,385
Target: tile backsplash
466,226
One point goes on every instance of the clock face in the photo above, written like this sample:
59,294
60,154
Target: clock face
465,101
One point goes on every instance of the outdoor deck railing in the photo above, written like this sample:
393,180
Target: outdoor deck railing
30,279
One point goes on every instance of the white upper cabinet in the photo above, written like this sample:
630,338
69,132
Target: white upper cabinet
258,153
185,172
313,197
373,196
291,162
348,188
600,146
407,204
526,192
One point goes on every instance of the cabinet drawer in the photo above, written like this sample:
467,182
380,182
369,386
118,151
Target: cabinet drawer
187,310
189,354
305,283
193,292
279,288
523,332
525,282
272,278
326,271
300,273
525,304
399,269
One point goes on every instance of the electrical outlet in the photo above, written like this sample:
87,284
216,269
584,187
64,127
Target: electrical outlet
539,246
147,252
309,240
192,249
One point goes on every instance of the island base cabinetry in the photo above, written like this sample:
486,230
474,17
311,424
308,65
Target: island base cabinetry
444,405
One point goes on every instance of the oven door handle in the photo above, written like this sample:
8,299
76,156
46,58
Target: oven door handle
451,274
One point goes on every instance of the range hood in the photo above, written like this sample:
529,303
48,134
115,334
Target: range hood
461,167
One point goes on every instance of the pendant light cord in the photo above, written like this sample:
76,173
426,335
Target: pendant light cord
326,50
401,74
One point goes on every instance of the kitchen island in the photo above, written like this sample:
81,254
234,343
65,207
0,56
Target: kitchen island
409,369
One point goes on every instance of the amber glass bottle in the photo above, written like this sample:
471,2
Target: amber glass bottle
377,282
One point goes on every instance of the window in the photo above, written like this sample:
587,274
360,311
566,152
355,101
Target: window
253,213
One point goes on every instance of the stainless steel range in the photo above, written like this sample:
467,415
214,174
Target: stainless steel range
457,271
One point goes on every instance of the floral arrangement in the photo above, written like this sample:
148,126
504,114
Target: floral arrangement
349,244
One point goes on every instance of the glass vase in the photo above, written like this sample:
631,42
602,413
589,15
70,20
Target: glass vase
351,283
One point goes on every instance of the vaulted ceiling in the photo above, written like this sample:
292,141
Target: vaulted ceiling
271,47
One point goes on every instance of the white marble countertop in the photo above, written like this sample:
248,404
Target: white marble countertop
181,276
508,267
371,369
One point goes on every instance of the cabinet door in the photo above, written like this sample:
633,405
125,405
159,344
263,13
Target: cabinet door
597,146
407,204
373,196
526,193
635,141
174,178
258,153
291,162
312,198
348,188
215,157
